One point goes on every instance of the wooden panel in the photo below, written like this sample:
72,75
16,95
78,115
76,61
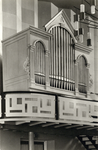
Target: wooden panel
22,54
15,52
30,105
79,110
12,60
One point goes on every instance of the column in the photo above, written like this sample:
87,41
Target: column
76,79
47,68
29,13
36,13
19,15
31,141
32,76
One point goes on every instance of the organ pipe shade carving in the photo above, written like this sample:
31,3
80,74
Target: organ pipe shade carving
62,58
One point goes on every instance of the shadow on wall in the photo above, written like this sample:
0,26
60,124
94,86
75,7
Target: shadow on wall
69,143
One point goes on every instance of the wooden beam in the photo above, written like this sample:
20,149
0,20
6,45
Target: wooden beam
92,128
47,120
72,126
21,122
84,127
54,131
36,123
49,124
61,125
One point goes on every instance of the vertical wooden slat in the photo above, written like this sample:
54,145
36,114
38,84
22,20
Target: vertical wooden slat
52,64
40,62
37,67
64,59
51,59
73,66
71,63
62,70
56,47
59,56
67,61
54,57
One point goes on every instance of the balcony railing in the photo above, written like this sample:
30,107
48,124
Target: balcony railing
72,109
28,105
46,106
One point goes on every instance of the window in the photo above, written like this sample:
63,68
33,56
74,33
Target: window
62,59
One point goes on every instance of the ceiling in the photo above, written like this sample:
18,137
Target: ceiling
74,5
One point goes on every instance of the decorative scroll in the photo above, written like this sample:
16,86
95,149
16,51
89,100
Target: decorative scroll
90,81
30,105
78,110
26,65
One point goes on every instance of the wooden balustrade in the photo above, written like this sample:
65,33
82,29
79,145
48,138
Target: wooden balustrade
44,106
30,105
78,110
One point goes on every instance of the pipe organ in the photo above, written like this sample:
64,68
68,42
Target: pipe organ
49,61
